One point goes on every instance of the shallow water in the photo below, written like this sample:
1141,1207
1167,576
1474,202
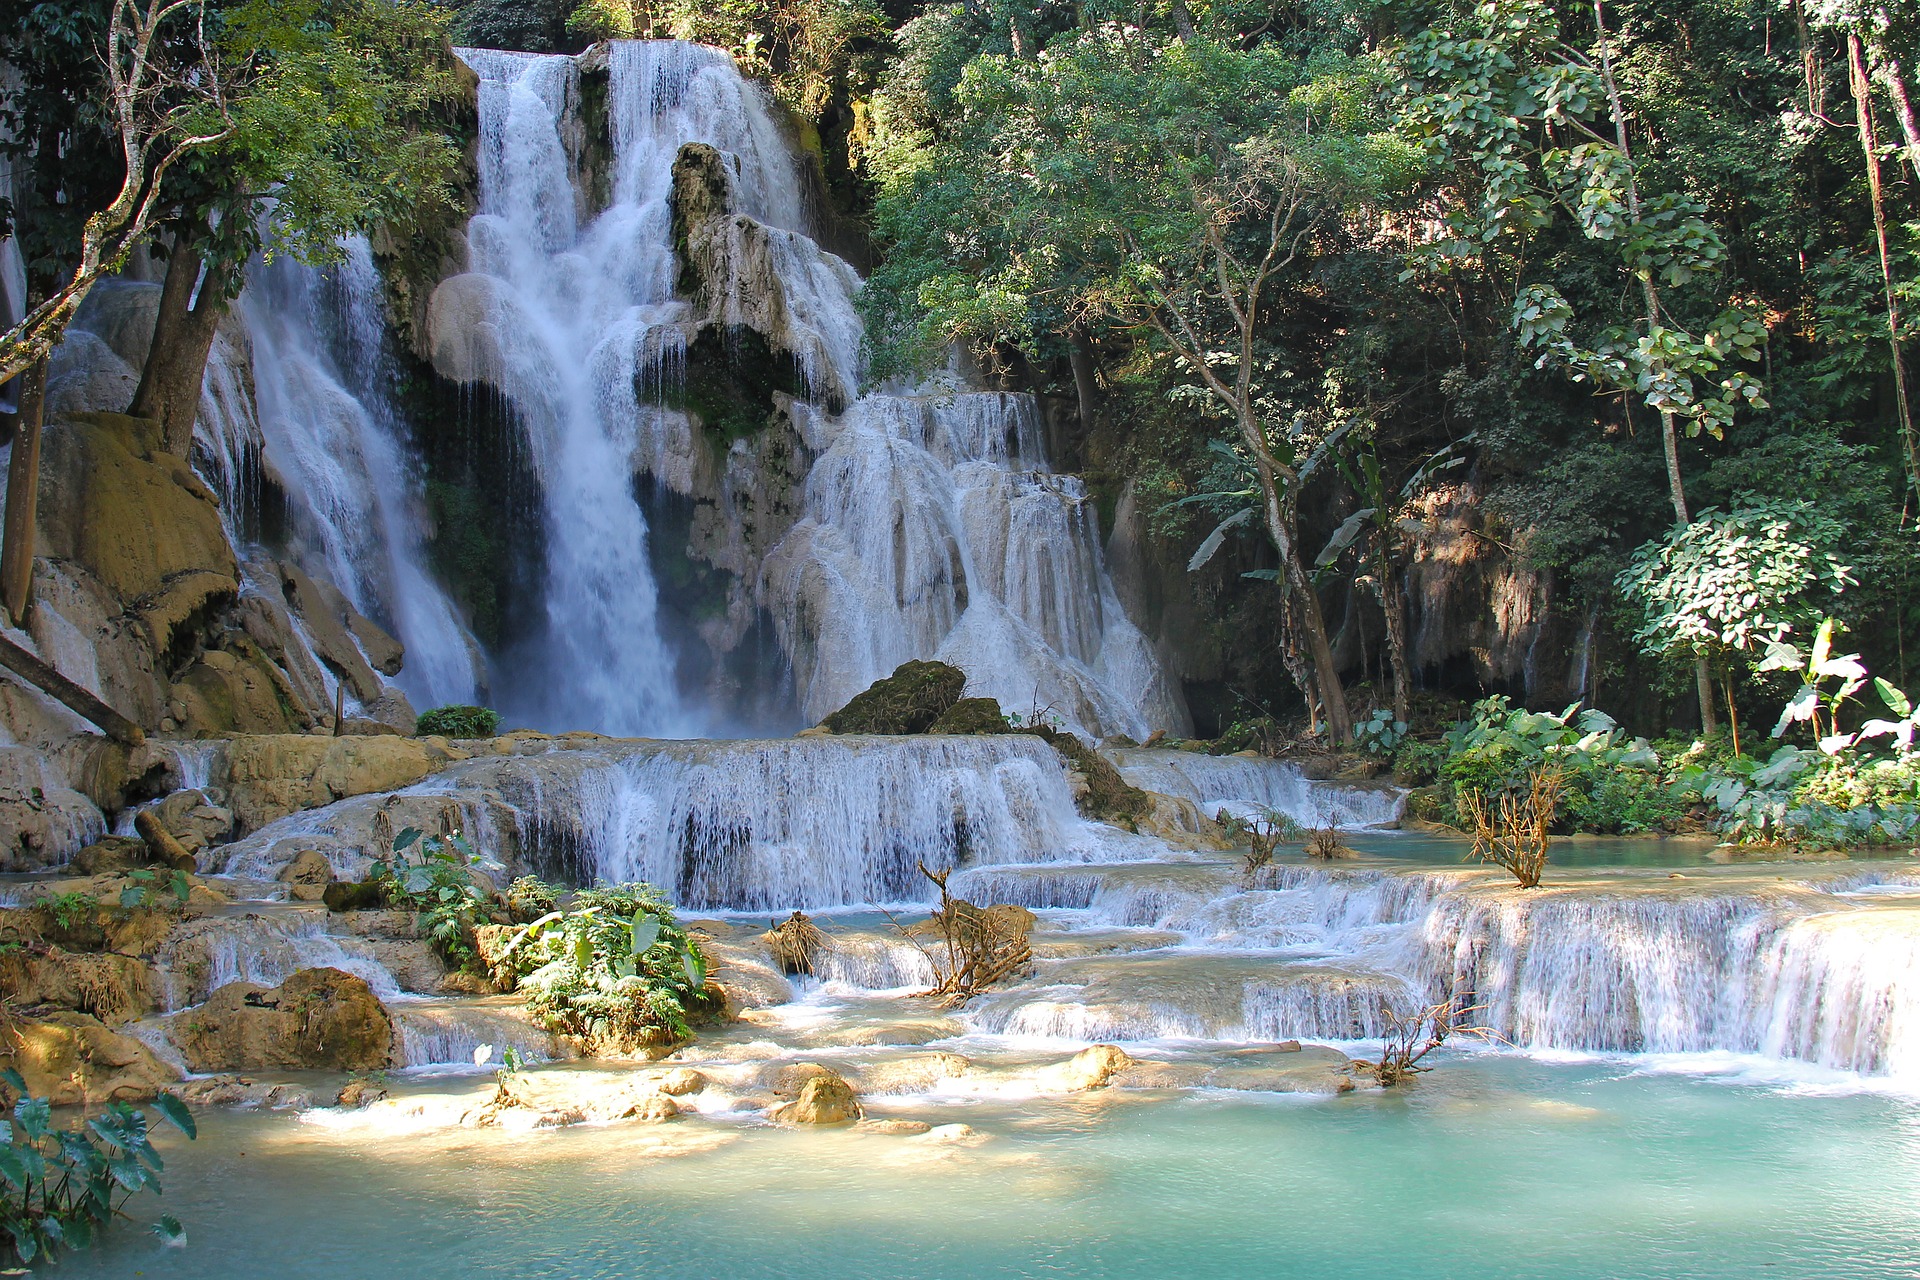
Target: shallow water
1491,1166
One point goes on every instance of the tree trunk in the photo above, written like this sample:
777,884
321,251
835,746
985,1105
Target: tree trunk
1085,389
1895,78
1869,147
23,496
1388,592
1305,600
183,330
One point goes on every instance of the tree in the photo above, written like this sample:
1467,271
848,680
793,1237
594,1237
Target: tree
1164,187
1499,96
1736,582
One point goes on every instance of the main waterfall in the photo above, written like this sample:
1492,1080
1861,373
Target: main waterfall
926,524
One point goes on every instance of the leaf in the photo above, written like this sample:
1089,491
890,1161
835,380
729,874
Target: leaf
405,838
176,1114
1211,544
695,965
646,932
1896,700
583,950
1801,707
169,1229
1345,536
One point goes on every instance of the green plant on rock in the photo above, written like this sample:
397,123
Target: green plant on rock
68,909
150,886
613,967
1380,734
60,1188
441,886
458,722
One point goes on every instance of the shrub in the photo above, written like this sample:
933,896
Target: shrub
459,722
613,967
442,889
1621,801
63,1187
1415,762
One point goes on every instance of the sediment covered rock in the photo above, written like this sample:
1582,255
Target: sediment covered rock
320,1018
73,1059
909,701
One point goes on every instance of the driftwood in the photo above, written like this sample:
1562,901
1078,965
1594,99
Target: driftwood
1410,1039
977,946
797,943
161,845
75,697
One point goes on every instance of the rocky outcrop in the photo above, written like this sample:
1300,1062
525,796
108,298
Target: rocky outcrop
43,821
272,776
72,1059
112,988
318,1018
555,1099
307,876
972,715
910,700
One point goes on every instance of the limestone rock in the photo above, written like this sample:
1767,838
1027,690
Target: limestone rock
1091,1068
112,988
893,1128
307,876
952,1135
319,1018
682,1081
109,855
241,1091
909,701
195,821
334,626
72,1059
273,776
43,822
138,520
824,1099
360,1092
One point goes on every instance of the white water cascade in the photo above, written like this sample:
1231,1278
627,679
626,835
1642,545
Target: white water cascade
930,525
320,424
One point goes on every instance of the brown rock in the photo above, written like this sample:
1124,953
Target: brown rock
319,1018
112,988
108,855
360,1092
307,876
73,1060
1091,1068
824,1099
682,1081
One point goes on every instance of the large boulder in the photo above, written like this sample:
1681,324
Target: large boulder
113,988
325,1019
73,1060
909,701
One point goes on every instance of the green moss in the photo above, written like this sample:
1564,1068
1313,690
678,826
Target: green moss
459,722
909,701
972,715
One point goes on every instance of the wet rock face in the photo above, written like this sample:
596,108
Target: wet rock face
325,1019
910,700
72,1059
272,776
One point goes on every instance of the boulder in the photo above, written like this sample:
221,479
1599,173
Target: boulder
307,876
110,855
360,1091
1091,1068
72,1059
909,701
43,821
333,627
195,821
324,1019
824,1099
237,689
272,776
554,1099
682,1081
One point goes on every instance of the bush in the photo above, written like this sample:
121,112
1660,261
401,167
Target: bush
459,722
63,1187
442,888
1622,802
1416,763
614,967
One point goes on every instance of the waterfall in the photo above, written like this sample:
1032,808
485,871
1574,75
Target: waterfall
930,524
321,423
1244,786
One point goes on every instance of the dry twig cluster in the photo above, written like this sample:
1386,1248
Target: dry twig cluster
1511,830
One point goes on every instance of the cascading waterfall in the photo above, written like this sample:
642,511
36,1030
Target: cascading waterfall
930,524
319,421
1244,786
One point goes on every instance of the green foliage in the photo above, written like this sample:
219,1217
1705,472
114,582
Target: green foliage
69,909
64,1186
1737,580
1418,762
150,885
529,898
434,877
459,722
614,965
1380,734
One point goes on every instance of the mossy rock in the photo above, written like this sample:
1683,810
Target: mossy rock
909,701
1108,797
972,715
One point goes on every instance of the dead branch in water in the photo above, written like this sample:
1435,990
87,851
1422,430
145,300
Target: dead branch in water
1410,1039
1511,831
1264,833
797,943
976,947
